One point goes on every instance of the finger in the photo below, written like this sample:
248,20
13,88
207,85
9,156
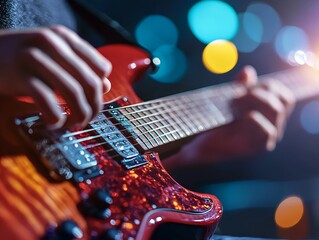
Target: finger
58,79
90,55
282,92
266,133
270,106
247,76
45,100
60,51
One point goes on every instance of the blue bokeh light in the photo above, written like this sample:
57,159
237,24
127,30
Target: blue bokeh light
291,39
269,18
309,117
253,26
173,64
211,20
155,31
247,39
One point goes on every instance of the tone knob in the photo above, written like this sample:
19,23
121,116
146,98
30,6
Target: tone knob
97,205
66,230
69,230
101,199
112,234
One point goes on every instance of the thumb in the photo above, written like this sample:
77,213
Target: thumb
247,76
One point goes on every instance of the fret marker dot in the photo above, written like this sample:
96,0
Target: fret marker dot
220,56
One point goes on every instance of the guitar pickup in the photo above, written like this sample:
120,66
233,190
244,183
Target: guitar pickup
59,151
129,155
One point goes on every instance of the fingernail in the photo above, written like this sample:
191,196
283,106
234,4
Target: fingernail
106,85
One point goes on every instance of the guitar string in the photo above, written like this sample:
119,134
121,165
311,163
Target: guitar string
160,101
141,136
214,88
161,104
158,113
137,126
90,146
222,87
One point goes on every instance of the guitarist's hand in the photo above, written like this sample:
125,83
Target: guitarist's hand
41,62
264,110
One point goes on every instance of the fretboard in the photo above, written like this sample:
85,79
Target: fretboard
169,119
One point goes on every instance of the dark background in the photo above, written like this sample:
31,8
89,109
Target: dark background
250,189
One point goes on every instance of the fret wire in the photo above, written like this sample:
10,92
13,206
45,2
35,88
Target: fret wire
206,92
183,124
168,126
291,80
150,133
191,111
187,124
214,89
104,143
101,135
171,125
155,130
199,96
175,123
153,108
176,120
211,117
161,112
159,101
155,125
287,80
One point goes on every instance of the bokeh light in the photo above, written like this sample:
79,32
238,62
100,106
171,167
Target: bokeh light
247,39
253,26
301,57
220,56
309,117
291,39
269,18
173,64
211,20
289,212
155,31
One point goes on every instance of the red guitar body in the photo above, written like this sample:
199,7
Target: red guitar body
33,206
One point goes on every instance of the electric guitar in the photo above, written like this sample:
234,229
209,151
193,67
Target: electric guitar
106,181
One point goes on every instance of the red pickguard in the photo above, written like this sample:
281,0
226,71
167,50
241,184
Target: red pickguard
143,197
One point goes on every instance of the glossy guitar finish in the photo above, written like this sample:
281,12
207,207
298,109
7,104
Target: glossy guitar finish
132,201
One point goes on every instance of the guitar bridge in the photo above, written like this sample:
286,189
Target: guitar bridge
73,155
60,151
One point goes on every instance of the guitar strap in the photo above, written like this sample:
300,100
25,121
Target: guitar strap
107,27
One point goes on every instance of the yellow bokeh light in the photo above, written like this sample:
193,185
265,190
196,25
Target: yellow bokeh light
289,212
220,56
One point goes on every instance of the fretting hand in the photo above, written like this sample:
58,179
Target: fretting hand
264,108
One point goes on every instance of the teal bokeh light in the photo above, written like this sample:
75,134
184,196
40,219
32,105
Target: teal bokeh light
155,31
253,27
309,117
211,20
269,18
291,39
249,34
173,64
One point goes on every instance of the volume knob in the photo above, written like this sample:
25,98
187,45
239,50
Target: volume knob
69,230
66,230
101,199
97,205
112,234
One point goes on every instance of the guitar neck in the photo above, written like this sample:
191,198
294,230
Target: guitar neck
170,119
